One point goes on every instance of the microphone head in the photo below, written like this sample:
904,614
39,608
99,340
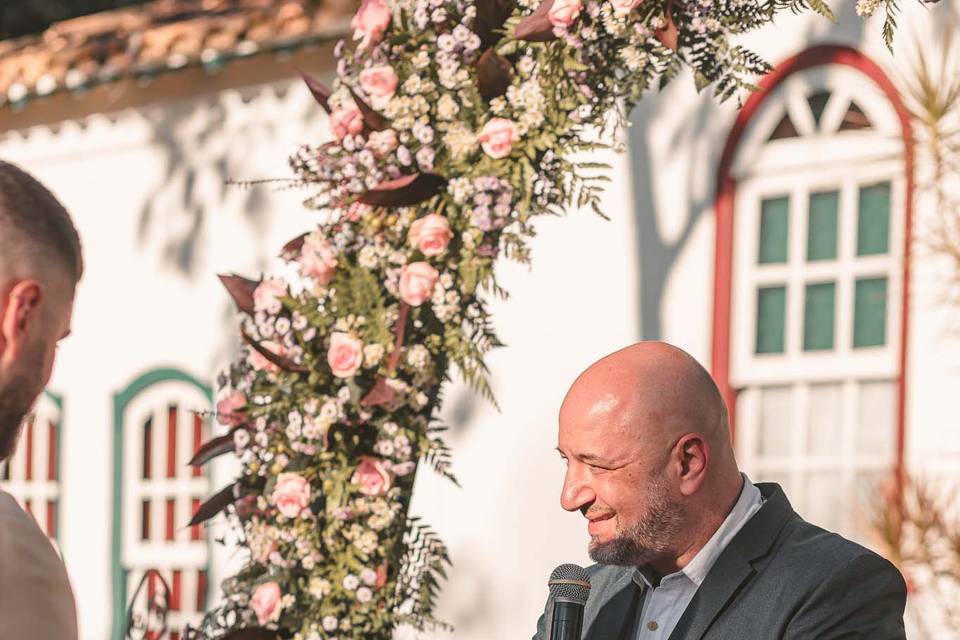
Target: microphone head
570,582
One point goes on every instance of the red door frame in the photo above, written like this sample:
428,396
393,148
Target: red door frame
724,207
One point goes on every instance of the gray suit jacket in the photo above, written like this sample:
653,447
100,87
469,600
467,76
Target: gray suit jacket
36,601
780,578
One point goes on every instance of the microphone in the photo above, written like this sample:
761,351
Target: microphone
569,587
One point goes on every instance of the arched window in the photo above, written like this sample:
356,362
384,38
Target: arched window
814,201
157,428
32,474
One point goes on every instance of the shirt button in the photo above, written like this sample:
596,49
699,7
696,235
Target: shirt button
652,625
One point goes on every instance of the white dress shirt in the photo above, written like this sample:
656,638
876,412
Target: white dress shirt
663,605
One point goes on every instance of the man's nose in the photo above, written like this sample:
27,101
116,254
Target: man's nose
576,491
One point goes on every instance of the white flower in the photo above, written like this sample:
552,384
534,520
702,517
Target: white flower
373,354
367,258
425,157
318,587
329,411
461,142
447,107
330,623
350,582
390,428
422,59
418,357
344,394
282,325
368,576
364,594
439,15
412,84
384,448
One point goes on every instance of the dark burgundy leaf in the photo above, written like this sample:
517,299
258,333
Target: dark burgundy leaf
536,27
494,73
241,290
404,191
214,505
371,119
491,14
320,93
292,249
252,633
668,36
210,450
380,394
284,363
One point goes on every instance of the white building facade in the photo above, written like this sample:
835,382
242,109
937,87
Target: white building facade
775,243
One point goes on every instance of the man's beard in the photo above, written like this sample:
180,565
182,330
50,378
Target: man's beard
653,536
17,397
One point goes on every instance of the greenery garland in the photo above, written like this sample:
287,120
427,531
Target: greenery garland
454,124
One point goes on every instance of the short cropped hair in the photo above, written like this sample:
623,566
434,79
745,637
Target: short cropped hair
32,215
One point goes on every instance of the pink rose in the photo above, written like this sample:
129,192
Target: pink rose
416,283
259,362
266,602
291,494
381,143
497,137
230,409
266,297
345,354
370,22
564,12
318,259
373,478
625,6
430,234
346,121
380,83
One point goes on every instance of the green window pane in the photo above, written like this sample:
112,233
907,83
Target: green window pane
771,318
870,312
873,220
818,102
774,223
818,314
822,226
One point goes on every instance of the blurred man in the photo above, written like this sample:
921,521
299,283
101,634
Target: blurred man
686,546
40,265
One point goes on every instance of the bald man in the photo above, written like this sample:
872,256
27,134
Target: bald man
40,265
686,547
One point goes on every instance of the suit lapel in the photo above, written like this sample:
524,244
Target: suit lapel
617,614
735,565
721,585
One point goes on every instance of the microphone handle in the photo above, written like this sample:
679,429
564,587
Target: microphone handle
567,620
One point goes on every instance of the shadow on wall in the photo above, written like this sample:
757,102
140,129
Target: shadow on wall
202,148
200,155
657,254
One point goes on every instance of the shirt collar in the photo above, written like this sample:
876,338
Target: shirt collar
696,570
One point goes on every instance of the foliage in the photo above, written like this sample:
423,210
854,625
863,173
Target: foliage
920,527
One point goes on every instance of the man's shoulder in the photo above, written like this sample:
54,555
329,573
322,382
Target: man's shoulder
24,548
17,527
812,551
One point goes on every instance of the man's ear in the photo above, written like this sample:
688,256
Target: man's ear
22,310
693,453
